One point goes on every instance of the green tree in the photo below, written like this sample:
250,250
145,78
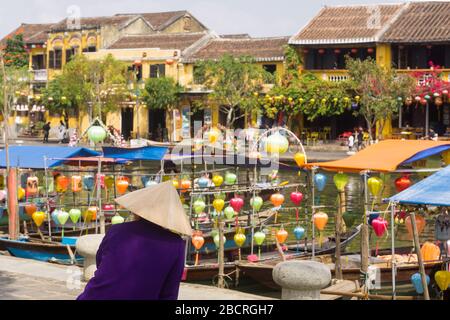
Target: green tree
380,91
94,86
56,96
234,82
161,93
15,54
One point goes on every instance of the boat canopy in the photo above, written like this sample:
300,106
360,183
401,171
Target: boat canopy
33,157
150,153
385,156
433,190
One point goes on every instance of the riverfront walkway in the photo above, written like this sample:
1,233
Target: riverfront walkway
22,279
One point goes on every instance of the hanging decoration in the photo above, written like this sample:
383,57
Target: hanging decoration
54,216
117,219
380,226
213,135
39,218
282,236
341,181
217,240
21,193
90,215
230,179
442,279
109,182
97,134
186,185
402,183
256,203
229,212
88,183
375,185
277,144
218,205
176,184
430,252
299,233
63,217
420,224
76,184
277,200
199,206
320,181
122,186
75,215
218,180
100,178
300,159
237,204
62,184
259,237
32,186
30,208
416,280
320,222
198,242
239,240
203,182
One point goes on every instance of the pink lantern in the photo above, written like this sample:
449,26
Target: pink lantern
380,226
297,198
237,204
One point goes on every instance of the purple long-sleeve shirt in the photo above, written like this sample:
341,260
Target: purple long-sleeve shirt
137,261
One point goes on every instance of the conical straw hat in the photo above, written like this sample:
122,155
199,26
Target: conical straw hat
159,204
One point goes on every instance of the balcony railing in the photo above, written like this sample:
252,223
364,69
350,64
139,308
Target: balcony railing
40,75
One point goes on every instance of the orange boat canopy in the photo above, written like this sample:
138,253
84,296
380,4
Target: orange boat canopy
385,156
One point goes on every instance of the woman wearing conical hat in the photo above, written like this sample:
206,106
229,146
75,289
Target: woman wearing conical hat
143,259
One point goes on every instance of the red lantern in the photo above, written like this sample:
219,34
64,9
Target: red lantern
379,226
337,51
297,198
321,51
354,50
237,204
402,183
370,50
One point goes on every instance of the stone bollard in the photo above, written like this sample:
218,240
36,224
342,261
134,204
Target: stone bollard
87,247
301,280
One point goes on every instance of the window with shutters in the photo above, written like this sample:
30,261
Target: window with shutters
157,71
55,59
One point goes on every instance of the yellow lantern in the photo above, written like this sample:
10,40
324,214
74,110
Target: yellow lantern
219,204
442,279
20,193
213,135
300,159
38,218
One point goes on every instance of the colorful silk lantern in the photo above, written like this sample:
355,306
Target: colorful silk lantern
213,135
218,180
90,214
199,206
63,217
341,181
380,226
100,179
185,185
109,182
97,134
320,181
320,220
88,183
277,144
30,208
277,200
237,204
20,193
375,185
300,159
117,219
218,205
39,218
416,280
442,279
297,198
76,184
75,215
203,182
198,242
281,236
122,186
230,179
240,239
229,213
54,216
108,207
299,233
32,186
259,238
402,183
420,224
430,252
256,203
217,240
62,184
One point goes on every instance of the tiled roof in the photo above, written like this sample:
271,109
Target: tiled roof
165,41
93,22
235,36
421,22
348,24
262,49
159,20
32,33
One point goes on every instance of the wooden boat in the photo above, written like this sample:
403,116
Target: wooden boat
209,270
41,250
261,272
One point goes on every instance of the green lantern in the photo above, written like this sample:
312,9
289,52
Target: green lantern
375,185
117,220
230,179
75,215
199,206
97,134
340,180
260,237
229,213
217,240
257,203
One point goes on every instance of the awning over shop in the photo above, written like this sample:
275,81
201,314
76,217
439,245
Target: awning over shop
434,190
385,156
93,161
33,157
136,154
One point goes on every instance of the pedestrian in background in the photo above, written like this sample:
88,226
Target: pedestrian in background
46,129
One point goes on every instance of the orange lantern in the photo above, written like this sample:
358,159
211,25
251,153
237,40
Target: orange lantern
90,214
282,236
420,223
277,199
198,241
76,184
32,186
122,186
62,184
320,220
30,208
430,252
185,185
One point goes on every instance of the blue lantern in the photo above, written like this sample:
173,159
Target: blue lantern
299,233
55,217
416,280
88,183
320,180
203,182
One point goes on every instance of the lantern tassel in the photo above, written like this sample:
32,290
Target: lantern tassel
196,258
297,215
259,252
240,254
